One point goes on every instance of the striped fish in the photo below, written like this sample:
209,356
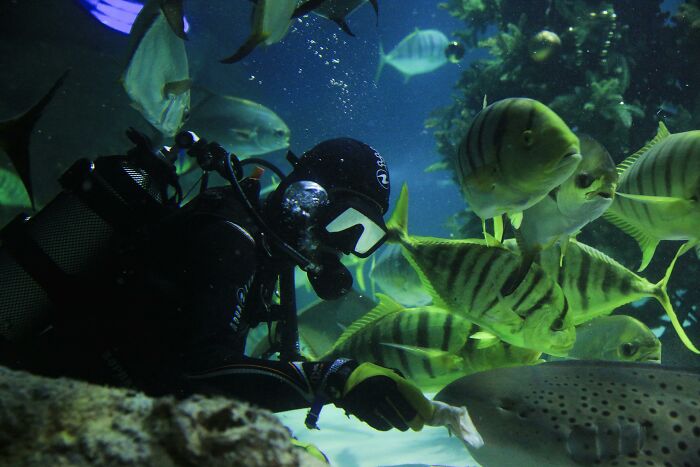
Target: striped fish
595,284
617,338
395,277
428,345
515,152
659,192
419,52
467,278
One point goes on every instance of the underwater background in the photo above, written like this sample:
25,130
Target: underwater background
614,79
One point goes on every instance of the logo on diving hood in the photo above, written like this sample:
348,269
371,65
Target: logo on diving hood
382,174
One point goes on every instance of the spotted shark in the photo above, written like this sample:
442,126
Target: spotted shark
575,413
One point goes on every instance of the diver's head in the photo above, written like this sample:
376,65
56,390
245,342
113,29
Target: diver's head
332,203
454,52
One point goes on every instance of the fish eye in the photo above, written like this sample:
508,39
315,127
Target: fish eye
628,349
279,133
557,325
584,180
528,138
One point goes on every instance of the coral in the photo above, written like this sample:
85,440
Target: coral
63,422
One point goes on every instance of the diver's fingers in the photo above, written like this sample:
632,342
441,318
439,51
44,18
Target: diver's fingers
395,416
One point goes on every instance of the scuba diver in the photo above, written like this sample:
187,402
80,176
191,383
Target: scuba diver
117,282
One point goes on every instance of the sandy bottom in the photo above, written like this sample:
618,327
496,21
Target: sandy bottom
350,443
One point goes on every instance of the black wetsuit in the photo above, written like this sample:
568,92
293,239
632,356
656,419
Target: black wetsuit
176,318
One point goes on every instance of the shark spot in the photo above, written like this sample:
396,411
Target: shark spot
696,432
682,445
673,414
677,428
665,450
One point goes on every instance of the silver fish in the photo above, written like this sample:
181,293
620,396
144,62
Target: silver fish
580,199
396,277
244,127
574,413
157,77
419,52
270,22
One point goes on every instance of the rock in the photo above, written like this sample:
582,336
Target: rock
61,422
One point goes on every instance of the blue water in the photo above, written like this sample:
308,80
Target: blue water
320,81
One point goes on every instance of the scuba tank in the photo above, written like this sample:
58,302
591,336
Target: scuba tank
44,258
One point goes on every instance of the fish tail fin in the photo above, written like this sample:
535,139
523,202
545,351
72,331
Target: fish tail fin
398,222
15,134
662,296
382,62
243,51
373,289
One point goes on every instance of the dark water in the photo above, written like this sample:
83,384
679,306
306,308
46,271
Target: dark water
318,80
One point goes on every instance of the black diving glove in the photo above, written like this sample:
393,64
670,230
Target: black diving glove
378,396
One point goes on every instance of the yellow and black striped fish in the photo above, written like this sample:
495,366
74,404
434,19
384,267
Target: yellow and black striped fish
515,152
427,344
468,278
595,284
659,192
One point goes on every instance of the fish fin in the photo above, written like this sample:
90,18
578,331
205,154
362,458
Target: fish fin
662,296
516,219
491,240
426,353
176,87
359,273
437,166
661,134
343,25
382,62
307,8
527,255
397,225
646,242
498,228
563,247
172,10
244,132
16,132
485,338
656,200
373,264
484,103
386,306
243,51
375,5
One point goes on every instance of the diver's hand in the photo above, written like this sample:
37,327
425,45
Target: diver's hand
383,399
